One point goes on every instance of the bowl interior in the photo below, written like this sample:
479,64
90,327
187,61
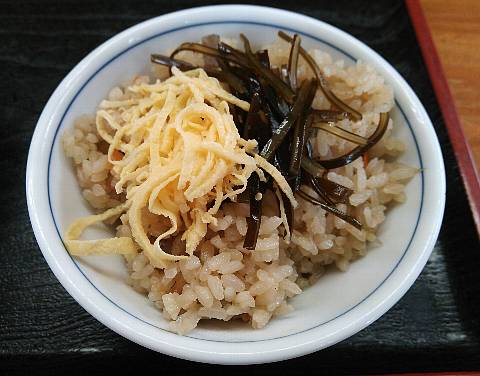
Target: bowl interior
332,296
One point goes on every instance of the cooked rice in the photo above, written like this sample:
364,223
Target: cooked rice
224,281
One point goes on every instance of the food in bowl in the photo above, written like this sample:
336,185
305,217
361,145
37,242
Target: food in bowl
234,178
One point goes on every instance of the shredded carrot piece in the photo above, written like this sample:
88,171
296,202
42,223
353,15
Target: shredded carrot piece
117,156
365,159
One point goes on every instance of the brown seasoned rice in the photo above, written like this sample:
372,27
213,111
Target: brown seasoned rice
222,280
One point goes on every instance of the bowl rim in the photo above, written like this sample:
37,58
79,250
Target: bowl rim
193,348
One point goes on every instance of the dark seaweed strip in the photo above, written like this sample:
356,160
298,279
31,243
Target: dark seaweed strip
335,192
283,156
244,197
170,62
357,151
280,164
263,58
293,61
201,49
257,126
341,133
323,82
222,74
272,119
228,50
312,167
297,149
302,103
252,112
331,209
299,138
279,107
281,87
289,212
295,181
255,217
320,190
232,79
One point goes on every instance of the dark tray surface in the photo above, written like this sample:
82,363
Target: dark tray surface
435,327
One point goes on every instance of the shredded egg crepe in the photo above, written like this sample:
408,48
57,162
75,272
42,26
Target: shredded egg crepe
178,154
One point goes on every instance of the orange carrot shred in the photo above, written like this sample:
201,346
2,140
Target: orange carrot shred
117,155
365,159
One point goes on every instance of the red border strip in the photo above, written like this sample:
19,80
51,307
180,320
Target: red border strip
461,148
463,373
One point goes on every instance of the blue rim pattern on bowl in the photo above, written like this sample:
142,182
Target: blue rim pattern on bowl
216,23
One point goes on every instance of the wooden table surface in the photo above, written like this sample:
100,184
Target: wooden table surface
435,327
448,35
455,29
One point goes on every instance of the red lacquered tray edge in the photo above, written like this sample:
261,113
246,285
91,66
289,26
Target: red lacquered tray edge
444,97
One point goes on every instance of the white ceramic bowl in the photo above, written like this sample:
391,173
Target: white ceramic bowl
338,306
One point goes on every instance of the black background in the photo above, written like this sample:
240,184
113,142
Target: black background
435,327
